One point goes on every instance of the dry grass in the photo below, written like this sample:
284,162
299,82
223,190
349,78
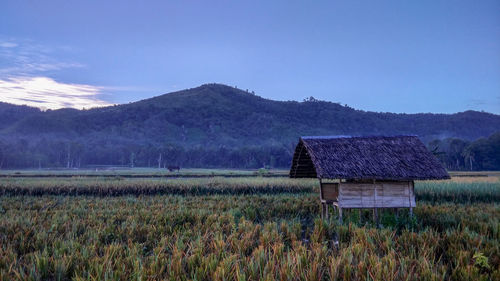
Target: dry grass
240,229
258,237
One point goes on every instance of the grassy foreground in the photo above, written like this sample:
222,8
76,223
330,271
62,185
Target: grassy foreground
244,236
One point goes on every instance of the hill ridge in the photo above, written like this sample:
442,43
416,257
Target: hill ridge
215,117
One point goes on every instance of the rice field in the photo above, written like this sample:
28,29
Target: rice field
141,172
240,229
117,186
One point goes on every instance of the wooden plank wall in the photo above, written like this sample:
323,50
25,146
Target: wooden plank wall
329,191
376,195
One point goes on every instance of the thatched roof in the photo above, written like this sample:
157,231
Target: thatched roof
380,158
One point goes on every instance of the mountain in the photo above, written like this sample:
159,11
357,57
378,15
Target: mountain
211,125
10,114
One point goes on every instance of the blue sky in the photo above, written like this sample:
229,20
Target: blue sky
396,56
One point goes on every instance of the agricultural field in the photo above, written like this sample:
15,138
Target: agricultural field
104,171
244,228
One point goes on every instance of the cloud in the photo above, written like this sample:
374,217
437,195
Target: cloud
28,68
8,45
477,102
26,58
46,93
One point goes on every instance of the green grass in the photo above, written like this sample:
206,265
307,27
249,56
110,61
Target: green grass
458,192
123,171
429,191
117,186
137,172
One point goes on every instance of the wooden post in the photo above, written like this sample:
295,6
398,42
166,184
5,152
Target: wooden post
322,210
375,210
326,210
339,206
323,213
410,192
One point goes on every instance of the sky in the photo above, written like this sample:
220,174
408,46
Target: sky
386,56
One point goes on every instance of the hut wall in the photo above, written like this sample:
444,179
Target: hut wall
376,195
329,192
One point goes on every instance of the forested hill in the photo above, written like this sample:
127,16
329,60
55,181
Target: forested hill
211,125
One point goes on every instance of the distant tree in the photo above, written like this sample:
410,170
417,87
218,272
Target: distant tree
132,159
484,153
2,154
311,99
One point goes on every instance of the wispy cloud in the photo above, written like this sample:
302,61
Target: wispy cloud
27,58
46,93
477,102
6,44
26,68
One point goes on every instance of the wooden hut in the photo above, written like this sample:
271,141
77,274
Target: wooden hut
365,172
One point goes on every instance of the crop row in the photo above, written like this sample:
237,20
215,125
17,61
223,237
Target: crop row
257,237
429,191
458,192
121,186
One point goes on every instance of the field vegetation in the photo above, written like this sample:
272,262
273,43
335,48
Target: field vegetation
240,229
457,190
105,171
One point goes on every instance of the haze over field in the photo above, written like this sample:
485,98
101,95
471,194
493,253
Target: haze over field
389,56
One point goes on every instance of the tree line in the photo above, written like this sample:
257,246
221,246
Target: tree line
460,155
23,152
